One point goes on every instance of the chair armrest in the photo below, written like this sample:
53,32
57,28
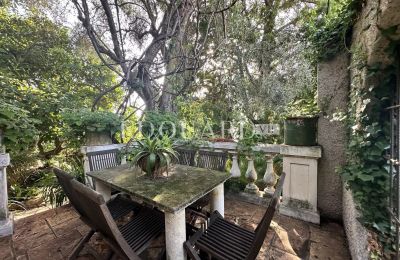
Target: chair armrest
190,251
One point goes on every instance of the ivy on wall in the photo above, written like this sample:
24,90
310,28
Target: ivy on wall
329,26
367,172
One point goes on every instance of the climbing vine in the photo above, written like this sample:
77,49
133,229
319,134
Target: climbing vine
367,172
329,26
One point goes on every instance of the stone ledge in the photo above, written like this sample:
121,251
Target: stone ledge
302,214
301,151
249,198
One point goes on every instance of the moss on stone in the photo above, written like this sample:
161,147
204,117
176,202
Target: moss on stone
183,186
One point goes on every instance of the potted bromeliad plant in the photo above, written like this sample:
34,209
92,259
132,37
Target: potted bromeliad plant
153,155
301,122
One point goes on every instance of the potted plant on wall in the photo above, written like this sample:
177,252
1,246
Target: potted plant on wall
94,127
152,155
301,122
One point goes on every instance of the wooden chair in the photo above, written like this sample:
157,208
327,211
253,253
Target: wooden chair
118,207
186,156
127,241
209,160
224,240
212,160
102,160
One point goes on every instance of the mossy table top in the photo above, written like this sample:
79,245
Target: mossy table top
184,185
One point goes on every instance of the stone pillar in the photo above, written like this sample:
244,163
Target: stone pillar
86,168
251,176
333,95
175,235
103,189
97,138
217,200
269,176
235,170
6,220
300,163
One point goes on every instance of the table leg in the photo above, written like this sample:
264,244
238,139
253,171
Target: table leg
217,199
104,190
175,235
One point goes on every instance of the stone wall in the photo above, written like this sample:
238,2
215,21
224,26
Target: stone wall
335,78
368,46
333,93
357,235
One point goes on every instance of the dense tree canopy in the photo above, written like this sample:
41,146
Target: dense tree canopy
207,61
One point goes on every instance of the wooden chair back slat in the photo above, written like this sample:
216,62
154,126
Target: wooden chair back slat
186,156
97,213
212,160
103,159
263,226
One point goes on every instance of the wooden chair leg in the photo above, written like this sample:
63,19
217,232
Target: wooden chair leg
78,247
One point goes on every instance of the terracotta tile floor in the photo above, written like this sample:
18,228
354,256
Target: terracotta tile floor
51,234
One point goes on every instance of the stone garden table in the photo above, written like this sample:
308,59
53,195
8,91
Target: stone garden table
171,195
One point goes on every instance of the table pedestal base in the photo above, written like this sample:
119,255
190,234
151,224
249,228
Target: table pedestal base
217,199
175,235
104,190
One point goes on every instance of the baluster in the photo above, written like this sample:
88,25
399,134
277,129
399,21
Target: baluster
123,159
251,176
269,176
235,170
86,168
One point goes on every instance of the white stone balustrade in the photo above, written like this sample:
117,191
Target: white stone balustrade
299,164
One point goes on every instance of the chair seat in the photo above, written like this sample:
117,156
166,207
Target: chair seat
225,240
120,206
142,229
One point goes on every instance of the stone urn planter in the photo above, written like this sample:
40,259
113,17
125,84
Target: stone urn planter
97,138
301,131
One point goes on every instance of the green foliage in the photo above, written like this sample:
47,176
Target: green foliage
17,126
305,105
49,186
161,123
81,121
152,154
367,171
328,27
43,71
